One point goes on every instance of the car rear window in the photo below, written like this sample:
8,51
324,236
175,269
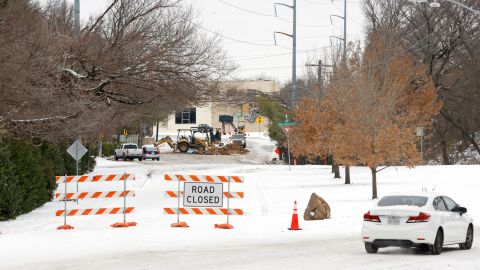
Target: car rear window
151,149
130,146
237,137
403,200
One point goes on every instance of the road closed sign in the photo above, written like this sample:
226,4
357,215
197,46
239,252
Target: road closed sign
203,194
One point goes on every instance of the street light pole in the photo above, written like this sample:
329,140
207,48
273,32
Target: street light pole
464,6
436,4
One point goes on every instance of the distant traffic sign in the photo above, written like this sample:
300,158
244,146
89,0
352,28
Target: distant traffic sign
286,129
77,150
288,123
203,194
259,119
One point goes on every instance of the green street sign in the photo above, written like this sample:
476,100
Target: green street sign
284,124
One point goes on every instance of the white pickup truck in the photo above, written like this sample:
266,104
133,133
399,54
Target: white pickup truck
128,151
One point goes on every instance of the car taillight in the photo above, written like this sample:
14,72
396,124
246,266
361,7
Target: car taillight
368,217
422,217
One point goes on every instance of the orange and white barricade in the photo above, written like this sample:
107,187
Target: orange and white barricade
66,196
199,184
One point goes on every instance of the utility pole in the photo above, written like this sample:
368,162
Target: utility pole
344,39
319,73
345,31
76,8
294,48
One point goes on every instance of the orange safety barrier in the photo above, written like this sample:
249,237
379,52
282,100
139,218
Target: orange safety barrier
94,178
95,211
207,178
94,195
233,195
203,211
66,196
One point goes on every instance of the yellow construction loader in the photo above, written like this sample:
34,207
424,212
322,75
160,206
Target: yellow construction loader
185,141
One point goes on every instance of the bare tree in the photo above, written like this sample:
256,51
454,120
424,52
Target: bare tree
139,60
444,39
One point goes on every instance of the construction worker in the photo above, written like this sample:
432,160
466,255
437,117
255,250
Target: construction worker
218,135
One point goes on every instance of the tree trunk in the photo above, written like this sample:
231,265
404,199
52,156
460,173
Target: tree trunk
374,182
465,134
445,158
347,175
337,171
333,165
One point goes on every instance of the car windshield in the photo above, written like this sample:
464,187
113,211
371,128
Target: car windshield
403,200
236,137
130,146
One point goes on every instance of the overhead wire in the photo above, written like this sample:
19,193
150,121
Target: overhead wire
270,15
280,54
328,2
402,52
230,38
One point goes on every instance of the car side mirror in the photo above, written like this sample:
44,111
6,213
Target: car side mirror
459,209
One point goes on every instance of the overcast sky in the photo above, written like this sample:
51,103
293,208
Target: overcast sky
247,28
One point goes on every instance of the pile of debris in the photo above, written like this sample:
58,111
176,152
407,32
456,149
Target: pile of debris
229,149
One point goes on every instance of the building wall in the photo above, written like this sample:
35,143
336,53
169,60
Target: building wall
203,116
210,114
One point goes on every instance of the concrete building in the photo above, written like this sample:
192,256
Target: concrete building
244,112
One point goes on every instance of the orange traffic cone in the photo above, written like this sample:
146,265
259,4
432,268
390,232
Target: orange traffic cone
294,226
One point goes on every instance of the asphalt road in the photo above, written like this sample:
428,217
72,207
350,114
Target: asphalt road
338,253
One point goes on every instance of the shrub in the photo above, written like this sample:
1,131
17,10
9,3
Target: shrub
27,174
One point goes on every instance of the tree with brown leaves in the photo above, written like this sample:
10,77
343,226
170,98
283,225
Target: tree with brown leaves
373,106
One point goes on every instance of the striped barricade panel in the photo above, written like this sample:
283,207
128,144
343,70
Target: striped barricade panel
203,211
233,195
95,211
223,179
183,178
94,195
207,178
94,178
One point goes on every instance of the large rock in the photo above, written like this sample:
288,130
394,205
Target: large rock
317,209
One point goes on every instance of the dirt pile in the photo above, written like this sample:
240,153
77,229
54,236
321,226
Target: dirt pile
229,149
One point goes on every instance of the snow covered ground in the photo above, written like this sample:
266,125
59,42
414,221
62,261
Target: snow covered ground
260,239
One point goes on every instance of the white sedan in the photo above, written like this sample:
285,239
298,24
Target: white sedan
426,220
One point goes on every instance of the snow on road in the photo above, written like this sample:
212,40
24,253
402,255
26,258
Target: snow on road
260,239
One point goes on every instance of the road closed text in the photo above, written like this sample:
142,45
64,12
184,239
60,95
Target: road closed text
203,194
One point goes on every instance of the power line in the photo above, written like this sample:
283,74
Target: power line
328,3
303,38
270,15
279,54
402,52
230,38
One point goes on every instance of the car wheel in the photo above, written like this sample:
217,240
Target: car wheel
140,158
371,248
437,246
116,158
124,157
469,239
